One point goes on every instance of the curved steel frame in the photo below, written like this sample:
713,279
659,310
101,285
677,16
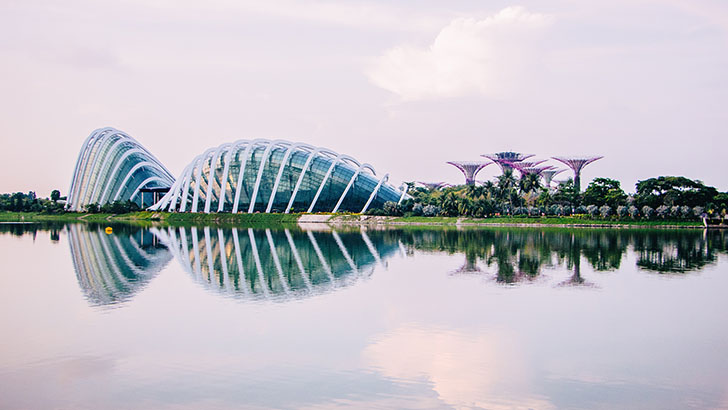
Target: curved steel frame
192,174
102,155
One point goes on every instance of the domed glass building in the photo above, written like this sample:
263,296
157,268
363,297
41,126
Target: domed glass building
276,176
245,176
112,166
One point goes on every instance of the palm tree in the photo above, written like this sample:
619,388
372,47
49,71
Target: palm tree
529,183
507,186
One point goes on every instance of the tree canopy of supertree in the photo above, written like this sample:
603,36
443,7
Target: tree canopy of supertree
433,185
506,159
577,164
470,169
549,174
534,170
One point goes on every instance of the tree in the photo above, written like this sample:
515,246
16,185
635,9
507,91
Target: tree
391,209
605,211
622,211
662,211
669,191
431,210
506,184
604,191
566,193
593,210
529,183
55,195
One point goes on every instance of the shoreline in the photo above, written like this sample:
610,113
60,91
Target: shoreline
154,218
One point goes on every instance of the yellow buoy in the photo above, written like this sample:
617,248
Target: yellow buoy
108,230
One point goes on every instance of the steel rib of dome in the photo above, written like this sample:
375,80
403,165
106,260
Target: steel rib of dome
276,176
112,166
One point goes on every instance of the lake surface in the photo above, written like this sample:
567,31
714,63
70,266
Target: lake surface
222,318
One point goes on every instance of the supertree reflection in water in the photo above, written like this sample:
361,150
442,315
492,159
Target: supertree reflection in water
521,255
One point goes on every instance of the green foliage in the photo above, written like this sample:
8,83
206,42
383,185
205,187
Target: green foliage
567,194
391,208
21,202
119,207
670,191
604,191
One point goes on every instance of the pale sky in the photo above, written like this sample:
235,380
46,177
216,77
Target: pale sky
404,86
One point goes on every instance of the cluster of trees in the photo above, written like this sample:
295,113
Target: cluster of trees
118,207
22,202
663,197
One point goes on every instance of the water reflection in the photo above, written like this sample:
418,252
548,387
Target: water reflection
111,268
289,263
521,255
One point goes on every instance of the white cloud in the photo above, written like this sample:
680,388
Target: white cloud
468,56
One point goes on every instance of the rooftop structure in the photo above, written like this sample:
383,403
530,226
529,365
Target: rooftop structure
577,164
549,174
506,159
470,169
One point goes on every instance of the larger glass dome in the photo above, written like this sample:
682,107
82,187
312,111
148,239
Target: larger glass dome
276,176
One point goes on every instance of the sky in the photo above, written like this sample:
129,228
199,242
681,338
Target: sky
404,86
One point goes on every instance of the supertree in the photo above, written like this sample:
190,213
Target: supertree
470,169
433,185
549,174
577,164
506,159
534,170
530,167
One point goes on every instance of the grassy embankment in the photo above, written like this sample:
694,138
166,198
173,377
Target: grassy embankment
546,220
145,216
274,218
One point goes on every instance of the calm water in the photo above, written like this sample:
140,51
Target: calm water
201,317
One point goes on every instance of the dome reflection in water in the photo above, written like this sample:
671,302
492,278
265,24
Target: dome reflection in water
289,263
111,268
274,263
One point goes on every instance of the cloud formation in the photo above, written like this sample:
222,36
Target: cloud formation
468,56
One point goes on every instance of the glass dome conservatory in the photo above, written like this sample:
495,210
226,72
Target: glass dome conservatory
245,176
276,176
112,166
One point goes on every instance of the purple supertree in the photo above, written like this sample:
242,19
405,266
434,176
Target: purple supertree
534,170
506,159
470,169
433,185
577,164
549,174
529,167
